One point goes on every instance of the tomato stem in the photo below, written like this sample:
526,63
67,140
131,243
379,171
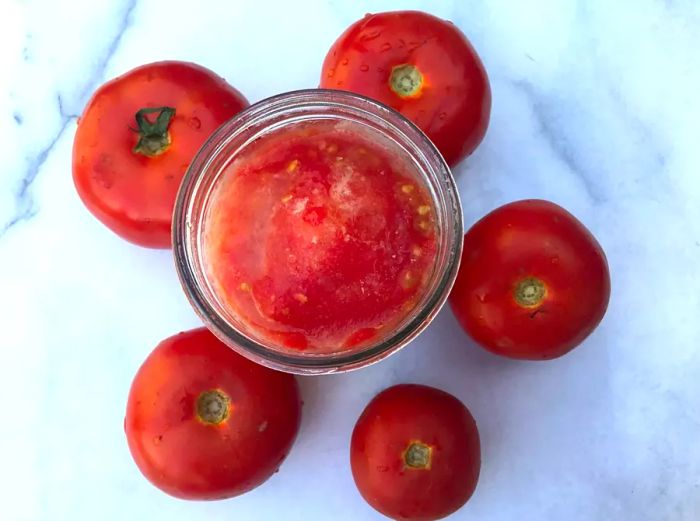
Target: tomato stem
213,407
530,292
154,138
418,455
406,81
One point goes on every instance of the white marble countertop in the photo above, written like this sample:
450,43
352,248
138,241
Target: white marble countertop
596,106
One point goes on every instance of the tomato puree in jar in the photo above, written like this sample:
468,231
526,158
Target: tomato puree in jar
319,236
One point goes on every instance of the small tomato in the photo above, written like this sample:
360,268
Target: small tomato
415,453
202,422
136,138
421,66
533,282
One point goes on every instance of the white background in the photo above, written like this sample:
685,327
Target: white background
595,106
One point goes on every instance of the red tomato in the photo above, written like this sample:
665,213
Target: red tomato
533,282
415,453
420,65
136,138
203,422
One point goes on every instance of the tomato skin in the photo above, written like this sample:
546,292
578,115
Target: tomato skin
397,417
131,193
530,239
189,459
454,105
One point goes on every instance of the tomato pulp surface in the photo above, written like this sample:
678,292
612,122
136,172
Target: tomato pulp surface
320,237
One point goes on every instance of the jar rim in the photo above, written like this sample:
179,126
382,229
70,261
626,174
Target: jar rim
305,362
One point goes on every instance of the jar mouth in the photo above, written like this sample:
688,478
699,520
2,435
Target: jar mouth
247,126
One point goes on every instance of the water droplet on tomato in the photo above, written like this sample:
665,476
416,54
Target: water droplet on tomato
554,260
157,440
331,73
386,46
344,61
382,468
194,122
442,115
364,67
370,35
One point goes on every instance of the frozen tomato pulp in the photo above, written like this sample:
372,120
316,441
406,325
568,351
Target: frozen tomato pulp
320,237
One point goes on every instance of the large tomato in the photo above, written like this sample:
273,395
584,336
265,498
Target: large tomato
420,65
137,136
203,422
533,282
415,453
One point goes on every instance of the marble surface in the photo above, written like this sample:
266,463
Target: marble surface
595,106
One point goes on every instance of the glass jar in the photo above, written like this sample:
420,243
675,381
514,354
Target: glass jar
252,125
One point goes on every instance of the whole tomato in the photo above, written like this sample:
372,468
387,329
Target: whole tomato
423,67
533,282
136,138
415,453
202,422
